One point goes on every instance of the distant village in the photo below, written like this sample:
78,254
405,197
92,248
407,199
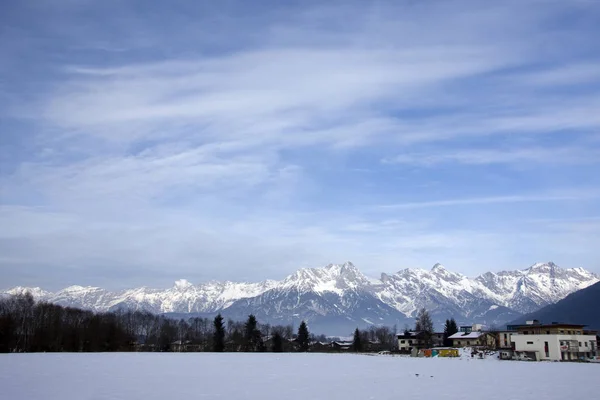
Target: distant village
29,326
532,341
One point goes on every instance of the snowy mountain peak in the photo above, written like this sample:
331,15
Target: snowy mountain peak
548,267
334,278
183,284
438,267
80,289
36,292
338,287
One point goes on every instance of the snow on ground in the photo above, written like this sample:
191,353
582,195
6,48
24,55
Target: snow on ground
267,376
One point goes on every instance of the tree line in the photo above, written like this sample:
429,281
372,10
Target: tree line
29,326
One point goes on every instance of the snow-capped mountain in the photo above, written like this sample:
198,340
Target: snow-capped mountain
537,286
342,295
183,297
334,299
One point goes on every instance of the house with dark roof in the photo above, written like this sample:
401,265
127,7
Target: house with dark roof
409,340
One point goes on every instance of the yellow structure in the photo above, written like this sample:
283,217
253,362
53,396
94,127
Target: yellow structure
447,352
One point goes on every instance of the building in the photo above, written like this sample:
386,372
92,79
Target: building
504,344
185,346
555,341
341,345
503,339
438,339
471,328
473,339
473,336
407,341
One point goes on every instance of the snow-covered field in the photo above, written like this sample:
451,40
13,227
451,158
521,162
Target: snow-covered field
171,376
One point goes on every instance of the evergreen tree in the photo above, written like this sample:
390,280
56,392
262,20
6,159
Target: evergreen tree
252,335
303,338
453,326
446,334
424,325
450,329
357,342
219,334
277,343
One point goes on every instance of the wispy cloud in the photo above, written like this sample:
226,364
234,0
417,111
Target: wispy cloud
241,141
520,157
573,196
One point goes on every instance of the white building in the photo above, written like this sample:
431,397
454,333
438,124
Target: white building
410,340
557,342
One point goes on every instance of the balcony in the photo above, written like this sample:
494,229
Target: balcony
569,346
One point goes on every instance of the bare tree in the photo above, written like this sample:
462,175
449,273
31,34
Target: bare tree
424,326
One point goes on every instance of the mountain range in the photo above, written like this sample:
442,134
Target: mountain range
337,298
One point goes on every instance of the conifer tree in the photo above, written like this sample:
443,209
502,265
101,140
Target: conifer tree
303,338
277,346
450,329
357,342
252,335
453,327
447,333
219,334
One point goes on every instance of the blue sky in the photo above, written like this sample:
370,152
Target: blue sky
142,143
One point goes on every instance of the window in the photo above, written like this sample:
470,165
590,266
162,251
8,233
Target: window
547,332
546,349
525,332
568,332
562,332
585,344
579,344
529,342
402,341
468,343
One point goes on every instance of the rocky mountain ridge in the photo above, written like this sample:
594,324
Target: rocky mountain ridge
338,295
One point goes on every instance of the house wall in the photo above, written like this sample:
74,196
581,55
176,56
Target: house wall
464,342
503,340
550,330
483,340
408,343
438,339
536,343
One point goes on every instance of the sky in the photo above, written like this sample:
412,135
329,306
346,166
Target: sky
144,142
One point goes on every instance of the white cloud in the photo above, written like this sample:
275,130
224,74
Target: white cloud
218,145
520,156
557,196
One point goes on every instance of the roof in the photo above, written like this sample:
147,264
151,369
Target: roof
463,335
343,343
410,334
552,325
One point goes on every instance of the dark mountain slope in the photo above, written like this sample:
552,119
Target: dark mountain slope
581,307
